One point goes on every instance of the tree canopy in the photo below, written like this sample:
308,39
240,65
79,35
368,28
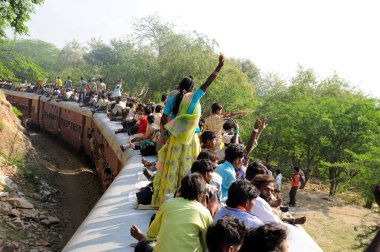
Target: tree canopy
14,14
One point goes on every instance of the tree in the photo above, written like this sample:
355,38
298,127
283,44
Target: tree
21,67
14,14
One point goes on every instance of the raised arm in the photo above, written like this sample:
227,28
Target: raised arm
212,77
259,126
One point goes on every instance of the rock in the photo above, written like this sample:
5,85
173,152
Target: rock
8,247
29,213
35,196
33,250
43,242
4,196
20,203
53,220
45,222
18,222
14,213
5,208
43,215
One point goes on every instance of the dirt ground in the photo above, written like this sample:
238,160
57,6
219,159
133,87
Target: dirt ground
334,225
77,183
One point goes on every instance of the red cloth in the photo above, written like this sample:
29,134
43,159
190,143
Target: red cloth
143,125
295,180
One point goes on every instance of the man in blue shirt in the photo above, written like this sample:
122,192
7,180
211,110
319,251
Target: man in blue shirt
233,160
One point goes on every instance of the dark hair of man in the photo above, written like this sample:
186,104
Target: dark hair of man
255,168
100,79
207,135
158,109
202,166
226,232
192,186
239,192
267,238
163,97
376,192
261,180
150,118
186,85
233,152
227,126
278,171
148,110
206,154
296,168
215,107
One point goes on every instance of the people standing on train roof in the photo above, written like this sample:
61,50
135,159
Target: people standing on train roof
94,86
117,91
59,82
102,87
182,147
68,83
82,89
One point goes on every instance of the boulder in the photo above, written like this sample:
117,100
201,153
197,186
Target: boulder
18,222
20,203
14,213
45,222
29,213
5,208
53,220
4,196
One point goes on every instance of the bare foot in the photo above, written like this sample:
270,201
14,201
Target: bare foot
300,220
144,162
136,233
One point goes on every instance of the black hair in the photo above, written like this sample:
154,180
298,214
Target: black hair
215,107
158,109
278,171
206,154
239,192
192,186
202,166
225,232
100,79
227,126
267,238
255,168
163,97
376,193
150,118
296,168
233,152
186,85
261,180
207,135
148,110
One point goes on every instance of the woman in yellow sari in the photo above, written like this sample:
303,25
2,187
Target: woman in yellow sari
182,148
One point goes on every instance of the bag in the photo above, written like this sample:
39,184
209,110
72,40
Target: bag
148,148
144,196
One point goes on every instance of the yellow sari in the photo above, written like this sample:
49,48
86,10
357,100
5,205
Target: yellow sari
178,154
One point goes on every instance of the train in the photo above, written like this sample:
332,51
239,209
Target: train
106,228
72,124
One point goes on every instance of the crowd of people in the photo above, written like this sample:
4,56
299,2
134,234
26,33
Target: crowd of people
208,194
202,182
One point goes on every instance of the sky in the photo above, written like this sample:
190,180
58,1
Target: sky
328,36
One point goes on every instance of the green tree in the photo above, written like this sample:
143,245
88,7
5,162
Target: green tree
21,67
14,14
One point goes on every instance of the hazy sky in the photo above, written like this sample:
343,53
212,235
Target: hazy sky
326,35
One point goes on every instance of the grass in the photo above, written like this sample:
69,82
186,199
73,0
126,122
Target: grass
17,112
27,169
12,233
